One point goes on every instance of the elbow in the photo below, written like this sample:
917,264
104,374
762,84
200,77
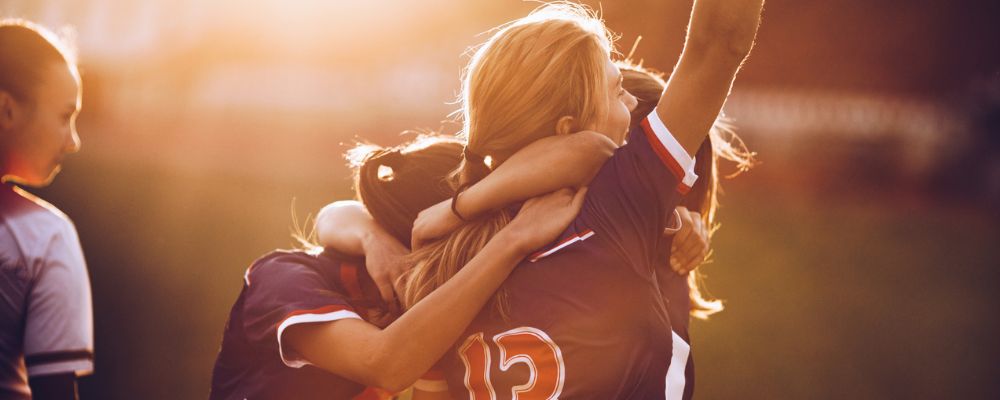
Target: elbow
590,150
327,217
394,385
386,373
593,146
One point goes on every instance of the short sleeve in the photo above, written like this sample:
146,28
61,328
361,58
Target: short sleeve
433,381
284,291
633,196
59,325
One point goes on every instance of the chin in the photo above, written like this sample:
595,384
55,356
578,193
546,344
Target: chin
41,180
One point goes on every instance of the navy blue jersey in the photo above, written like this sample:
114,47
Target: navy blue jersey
282,289
586,317
677,295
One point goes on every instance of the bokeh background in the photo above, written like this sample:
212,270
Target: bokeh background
860,260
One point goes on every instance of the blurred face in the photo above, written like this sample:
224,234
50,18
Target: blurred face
44,130
620,103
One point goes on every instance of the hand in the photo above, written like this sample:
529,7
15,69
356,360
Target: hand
434,222
543,218
690,245
384,260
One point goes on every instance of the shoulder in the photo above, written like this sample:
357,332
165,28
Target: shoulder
298,267
282,265
39,229
20,207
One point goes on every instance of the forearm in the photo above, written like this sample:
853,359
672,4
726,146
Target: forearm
544,166
346,226
395,357
413,343
720,36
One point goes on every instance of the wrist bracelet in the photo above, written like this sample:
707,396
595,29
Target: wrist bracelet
454,201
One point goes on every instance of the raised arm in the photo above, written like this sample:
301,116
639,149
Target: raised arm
394,357
720,36
547,164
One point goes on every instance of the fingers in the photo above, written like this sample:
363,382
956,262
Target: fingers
691,243
385,288
681,240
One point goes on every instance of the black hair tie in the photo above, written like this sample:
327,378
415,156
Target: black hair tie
454,201
473,157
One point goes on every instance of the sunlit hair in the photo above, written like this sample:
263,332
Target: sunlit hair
26,51
518,84
395,184
647,87
526,76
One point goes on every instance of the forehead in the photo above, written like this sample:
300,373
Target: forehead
59,85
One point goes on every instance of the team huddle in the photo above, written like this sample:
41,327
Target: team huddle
549,250
539,254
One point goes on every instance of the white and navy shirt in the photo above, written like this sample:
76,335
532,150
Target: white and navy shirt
46,318
280,290
586,317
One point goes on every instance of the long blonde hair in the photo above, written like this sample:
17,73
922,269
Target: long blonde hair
528,75
518,84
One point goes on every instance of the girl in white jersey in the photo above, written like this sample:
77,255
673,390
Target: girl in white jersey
46,323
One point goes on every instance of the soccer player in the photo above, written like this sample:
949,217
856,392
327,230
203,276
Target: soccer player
586,318
312,325
559,157
46,321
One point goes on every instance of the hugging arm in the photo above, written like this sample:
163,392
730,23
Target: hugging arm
347,227
394,357
720,36
543,166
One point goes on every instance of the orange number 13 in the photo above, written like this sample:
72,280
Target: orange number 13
534,348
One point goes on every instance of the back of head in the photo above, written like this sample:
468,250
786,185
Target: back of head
529,74
395,184
26,51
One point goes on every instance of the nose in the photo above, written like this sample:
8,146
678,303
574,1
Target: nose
631,102
73,141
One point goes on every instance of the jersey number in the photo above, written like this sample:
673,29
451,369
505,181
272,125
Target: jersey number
527,345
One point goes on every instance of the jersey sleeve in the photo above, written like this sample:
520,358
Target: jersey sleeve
284,292
633,196
432,381
59,325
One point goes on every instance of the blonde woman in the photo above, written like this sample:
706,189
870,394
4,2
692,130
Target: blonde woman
585,318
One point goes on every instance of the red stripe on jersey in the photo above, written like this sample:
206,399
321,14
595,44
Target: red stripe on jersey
683,189
661,151
349,277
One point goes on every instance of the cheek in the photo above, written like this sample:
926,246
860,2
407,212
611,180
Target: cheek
623,117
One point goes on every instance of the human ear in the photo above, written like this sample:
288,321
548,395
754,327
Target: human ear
565,125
